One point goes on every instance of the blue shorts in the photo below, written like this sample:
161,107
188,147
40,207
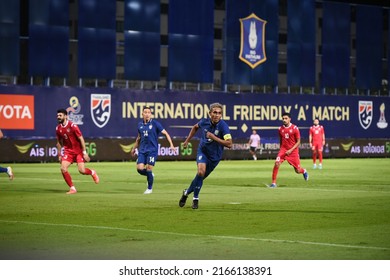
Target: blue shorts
210,165
147,158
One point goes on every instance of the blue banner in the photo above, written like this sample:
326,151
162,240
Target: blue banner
235,70
301,43
369,47
48,45
336,36
97,39
111,113
9,38
142,40
191,41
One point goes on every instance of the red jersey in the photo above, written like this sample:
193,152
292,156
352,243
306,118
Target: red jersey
289,137
68,135
317,133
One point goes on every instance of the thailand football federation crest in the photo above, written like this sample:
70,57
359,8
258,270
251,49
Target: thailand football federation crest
252,48
100,109
365,113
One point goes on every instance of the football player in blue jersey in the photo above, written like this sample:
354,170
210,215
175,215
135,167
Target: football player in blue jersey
147,145
8,169
215,136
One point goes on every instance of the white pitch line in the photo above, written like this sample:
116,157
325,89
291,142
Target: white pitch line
200,235
333,190
284,188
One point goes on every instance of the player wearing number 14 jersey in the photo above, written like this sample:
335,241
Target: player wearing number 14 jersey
70,138
290,140
147,145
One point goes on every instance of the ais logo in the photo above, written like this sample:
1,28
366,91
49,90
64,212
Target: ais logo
36,150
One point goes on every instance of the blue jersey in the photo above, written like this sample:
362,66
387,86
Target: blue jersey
212,149
149,136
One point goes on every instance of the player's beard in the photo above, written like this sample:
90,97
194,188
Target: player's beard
60,121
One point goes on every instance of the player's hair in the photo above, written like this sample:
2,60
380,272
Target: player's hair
147,107
216,105
286,114
62,111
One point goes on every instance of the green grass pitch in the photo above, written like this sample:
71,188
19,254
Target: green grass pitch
342,212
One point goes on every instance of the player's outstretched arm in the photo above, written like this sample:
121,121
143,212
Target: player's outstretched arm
194,129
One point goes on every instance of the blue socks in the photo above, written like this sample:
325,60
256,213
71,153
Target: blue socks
149,175
195,186
142,171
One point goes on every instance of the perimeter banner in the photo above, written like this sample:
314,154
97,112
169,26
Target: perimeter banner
119,149
30,112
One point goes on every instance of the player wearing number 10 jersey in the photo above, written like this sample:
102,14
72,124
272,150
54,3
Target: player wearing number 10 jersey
290,140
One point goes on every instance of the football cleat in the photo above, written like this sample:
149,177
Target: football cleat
195,204
273,185
72,191
183,199
306,175
95,177
148,191
10,173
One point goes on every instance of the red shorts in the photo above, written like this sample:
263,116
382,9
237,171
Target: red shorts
293,158
72,157
317,146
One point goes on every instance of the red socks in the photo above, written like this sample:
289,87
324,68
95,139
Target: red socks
67,178
87,171
275,173
320,156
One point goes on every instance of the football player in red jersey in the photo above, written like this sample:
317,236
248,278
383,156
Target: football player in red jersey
71,139
290,139
317,142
